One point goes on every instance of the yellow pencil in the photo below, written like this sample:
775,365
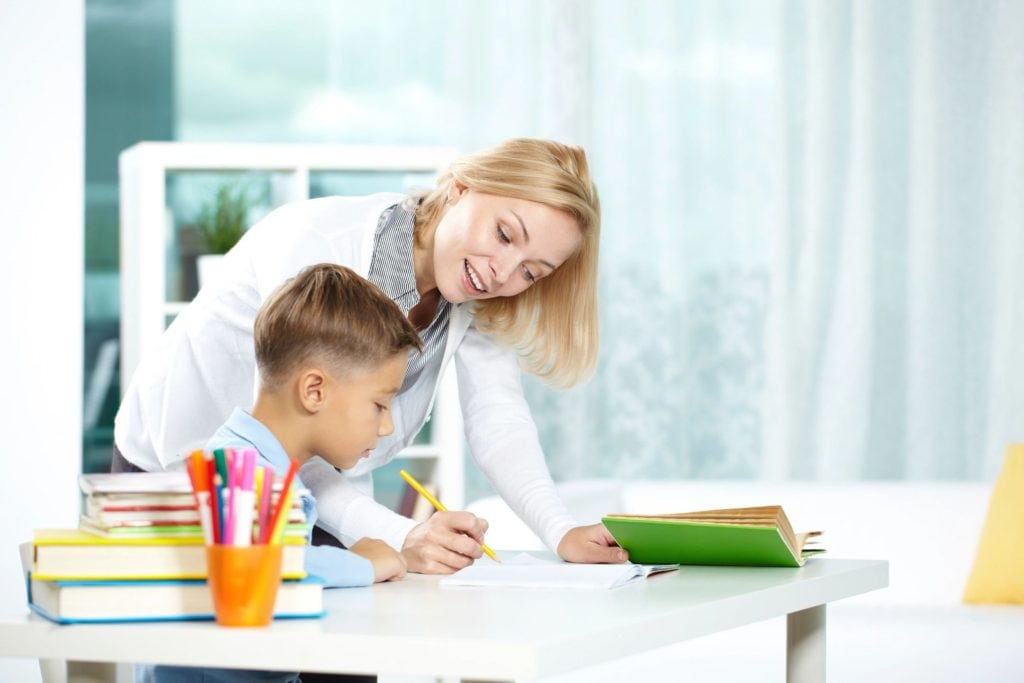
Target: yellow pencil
438,505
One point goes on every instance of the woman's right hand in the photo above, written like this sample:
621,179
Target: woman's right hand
445,543
388,565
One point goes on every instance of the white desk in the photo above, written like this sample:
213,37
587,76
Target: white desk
414,627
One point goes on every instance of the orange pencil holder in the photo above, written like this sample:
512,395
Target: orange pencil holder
243,582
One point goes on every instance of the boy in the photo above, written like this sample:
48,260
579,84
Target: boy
331,351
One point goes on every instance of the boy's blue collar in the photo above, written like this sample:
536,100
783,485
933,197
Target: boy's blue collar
248,428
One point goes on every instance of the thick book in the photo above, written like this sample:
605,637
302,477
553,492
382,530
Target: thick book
75,602
751,537
76,554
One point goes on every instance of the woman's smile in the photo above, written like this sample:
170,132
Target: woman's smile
473,284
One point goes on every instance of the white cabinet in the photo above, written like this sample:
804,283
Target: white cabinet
147,232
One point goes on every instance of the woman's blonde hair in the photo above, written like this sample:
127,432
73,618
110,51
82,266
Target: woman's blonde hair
554,323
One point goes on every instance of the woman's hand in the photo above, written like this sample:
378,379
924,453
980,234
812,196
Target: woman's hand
445,543
591,544
388,565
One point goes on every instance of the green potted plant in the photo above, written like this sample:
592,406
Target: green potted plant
221,223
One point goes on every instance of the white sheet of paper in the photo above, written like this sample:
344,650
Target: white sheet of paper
527,571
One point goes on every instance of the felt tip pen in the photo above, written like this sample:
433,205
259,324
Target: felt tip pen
245,496
278,521
220,458
232,491
265,476
201,487
214,498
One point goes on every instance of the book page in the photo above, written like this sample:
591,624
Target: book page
527,571
763,515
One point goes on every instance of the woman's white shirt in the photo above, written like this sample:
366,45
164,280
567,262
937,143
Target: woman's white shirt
205,366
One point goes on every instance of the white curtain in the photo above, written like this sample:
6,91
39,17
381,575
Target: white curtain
814,232
813,211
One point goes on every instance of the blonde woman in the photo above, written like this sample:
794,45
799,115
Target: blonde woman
496,267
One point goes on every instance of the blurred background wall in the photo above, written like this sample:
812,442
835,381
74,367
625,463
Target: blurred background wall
41,198
812,211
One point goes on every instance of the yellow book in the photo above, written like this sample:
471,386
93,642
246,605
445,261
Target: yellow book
75,554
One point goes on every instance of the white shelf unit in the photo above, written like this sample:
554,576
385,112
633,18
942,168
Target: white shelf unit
145,231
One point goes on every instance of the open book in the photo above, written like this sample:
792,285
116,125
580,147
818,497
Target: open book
755,536
527,571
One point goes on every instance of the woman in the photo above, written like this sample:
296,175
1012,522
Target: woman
495,266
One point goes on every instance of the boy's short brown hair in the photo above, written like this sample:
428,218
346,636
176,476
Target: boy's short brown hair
328,314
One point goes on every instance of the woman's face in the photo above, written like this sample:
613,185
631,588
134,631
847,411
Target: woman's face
487,246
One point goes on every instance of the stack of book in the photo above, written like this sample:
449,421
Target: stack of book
156,505
139,555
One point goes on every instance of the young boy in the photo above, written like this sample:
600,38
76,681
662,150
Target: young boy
331,351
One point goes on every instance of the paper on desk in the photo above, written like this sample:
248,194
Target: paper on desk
526,571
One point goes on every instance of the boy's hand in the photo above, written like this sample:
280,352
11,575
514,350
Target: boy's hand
388,564
592,544
445,543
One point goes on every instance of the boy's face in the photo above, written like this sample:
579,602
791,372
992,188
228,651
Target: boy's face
357,412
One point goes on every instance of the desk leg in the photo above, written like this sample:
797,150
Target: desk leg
805,646
59,671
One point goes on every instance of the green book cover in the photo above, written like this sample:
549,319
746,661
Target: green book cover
650,540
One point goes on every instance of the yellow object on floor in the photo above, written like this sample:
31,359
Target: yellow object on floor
998,573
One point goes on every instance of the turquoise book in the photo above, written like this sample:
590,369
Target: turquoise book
748,537
90,601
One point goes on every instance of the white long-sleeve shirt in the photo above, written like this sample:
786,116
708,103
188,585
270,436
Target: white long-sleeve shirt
205,367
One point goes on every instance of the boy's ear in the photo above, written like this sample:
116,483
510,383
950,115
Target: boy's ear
312,389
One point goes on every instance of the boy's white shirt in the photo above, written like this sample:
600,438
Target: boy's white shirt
205,367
